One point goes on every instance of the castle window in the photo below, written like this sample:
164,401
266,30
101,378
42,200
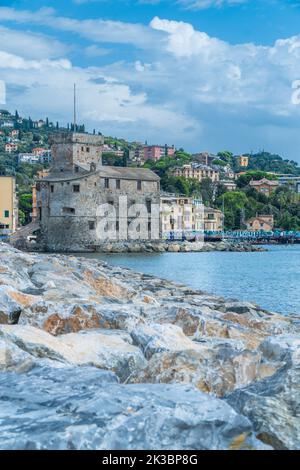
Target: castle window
106,183
82,149
117,226
76,188
52,188
88,149
68,210
118,184
76,169
148,203
91,225
139,185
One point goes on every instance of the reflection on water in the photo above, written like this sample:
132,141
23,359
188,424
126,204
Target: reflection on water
271,279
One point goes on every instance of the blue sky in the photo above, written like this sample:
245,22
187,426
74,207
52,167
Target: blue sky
202,74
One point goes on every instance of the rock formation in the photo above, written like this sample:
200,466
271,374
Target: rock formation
113,359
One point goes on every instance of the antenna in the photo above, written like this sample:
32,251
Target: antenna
74,107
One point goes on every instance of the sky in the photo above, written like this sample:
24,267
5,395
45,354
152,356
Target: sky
205,75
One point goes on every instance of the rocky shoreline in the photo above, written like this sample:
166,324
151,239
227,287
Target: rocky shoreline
176,247
162,246
99,357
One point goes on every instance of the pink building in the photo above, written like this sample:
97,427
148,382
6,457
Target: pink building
155,152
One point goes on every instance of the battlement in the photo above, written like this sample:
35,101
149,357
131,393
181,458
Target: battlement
76,138
71,150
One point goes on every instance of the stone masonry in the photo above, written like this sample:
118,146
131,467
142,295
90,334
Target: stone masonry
71,199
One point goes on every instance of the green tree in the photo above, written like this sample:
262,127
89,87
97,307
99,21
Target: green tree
25,206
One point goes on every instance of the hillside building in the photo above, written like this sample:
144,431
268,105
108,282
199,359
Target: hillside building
264,186
198,172
156,152
261,222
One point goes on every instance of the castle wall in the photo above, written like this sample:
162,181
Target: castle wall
70,214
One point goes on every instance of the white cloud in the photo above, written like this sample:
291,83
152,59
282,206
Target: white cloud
96,30
203,4
31,45
95,51
11,61
181,86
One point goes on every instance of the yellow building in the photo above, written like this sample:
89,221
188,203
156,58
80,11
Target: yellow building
261,222
180,213
243,161
213,220
198,172
8,206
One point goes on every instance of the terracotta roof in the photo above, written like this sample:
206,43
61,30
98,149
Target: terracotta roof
264,181
261,218
126,173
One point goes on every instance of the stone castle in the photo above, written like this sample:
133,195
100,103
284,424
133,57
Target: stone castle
69,197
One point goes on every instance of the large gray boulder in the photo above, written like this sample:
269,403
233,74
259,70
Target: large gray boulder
86,409
105,349
273,404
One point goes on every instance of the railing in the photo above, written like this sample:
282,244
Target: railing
246,234
231,235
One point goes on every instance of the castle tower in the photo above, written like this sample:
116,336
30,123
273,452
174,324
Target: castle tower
73,152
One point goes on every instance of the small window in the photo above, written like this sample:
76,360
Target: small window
139,185
148,203
76,169
6,214
91,225
117,226
106,183
88,149
82,149
68,210
76,188
118,184
52,188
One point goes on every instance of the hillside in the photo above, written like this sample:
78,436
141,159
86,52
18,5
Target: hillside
28,134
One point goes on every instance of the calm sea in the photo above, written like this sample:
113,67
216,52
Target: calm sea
270,279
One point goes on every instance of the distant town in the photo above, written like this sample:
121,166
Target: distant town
249,192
